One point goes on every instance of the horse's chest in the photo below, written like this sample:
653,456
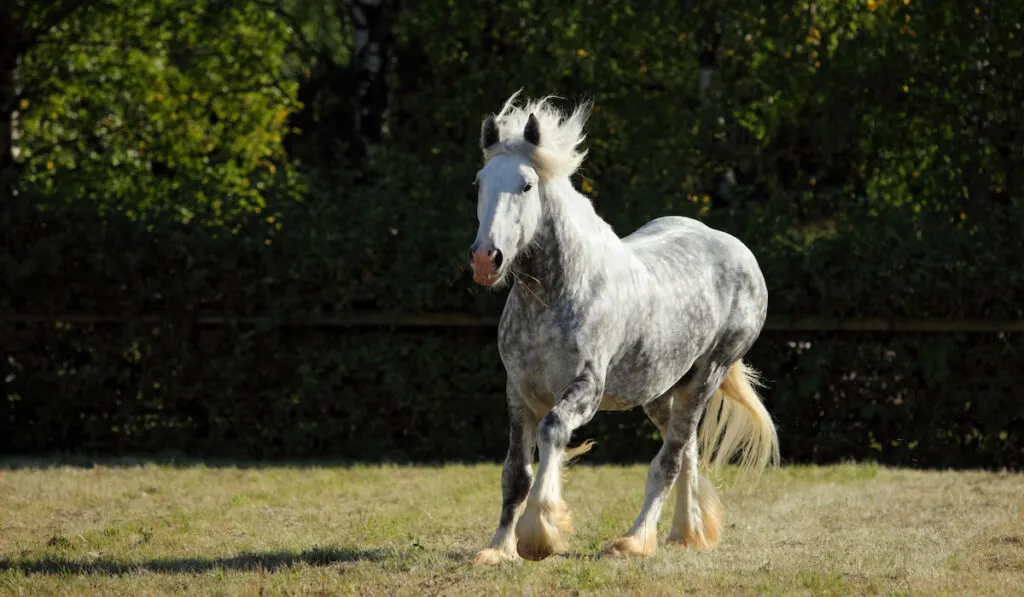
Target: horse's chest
534,360
538,356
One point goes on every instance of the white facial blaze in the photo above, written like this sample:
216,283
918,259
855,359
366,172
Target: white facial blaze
493,213
508,206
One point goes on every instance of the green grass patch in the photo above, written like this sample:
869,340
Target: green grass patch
144,529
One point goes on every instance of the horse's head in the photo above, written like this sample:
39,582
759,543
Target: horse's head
524,147
508,204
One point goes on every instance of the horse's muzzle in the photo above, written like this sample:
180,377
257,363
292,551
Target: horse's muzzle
485,267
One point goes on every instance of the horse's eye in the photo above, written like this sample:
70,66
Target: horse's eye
527,187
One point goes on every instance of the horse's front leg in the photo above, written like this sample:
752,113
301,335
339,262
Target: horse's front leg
545,525
516,477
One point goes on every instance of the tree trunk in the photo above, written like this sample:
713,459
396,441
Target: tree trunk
372,20
8,101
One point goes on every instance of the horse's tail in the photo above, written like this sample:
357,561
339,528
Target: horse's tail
736,423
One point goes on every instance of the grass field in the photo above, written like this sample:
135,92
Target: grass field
143,529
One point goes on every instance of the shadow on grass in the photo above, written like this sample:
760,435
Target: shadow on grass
246,562
19,463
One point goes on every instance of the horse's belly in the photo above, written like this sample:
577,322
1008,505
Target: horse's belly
645,376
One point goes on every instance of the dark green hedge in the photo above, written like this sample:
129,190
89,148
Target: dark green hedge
429,396
292,391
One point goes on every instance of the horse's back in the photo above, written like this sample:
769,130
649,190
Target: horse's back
705,264
689,243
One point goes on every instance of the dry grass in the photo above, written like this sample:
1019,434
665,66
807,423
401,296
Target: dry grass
140,529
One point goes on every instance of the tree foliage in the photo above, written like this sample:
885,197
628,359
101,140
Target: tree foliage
128,101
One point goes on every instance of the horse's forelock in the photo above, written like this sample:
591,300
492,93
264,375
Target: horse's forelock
560,134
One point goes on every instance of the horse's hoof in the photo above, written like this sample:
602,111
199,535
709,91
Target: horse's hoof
703,532
693,539
492,557
631,547
543,530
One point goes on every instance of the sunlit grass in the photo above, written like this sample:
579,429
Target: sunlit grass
140,529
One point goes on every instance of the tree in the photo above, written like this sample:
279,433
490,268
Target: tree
140,103
26,23
347,45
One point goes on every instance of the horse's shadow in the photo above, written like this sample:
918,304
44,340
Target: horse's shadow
249,561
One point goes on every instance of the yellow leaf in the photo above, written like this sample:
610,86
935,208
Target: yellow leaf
872,5
49,165
587,187
581,53
23,104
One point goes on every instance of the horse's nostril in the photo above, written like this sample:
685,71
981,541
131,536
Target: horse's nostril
497,259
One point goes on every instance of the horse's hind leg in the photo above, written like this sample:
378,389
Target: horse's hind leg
516,477
642,538
697,516
697,521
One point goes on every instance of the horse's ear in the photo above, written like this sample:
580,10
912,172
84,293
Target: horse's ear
488,133
532,131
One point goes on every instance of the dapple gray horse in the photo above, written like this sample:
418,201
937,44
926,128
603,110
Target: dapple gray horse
659,319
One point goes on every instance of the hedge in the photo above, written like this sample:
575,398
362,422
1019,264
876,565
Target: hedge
270,390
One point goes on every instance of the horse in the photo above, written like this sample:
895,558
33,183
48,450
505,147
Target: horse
659,319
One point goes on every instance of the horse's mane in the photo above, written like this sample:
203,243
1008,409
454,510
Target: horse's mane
560,135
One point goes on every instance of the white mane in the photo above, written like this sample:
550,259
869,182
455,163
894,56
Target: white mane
560,134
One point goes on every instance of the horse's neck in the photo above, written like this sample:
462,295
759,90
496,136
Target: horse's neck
573,248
